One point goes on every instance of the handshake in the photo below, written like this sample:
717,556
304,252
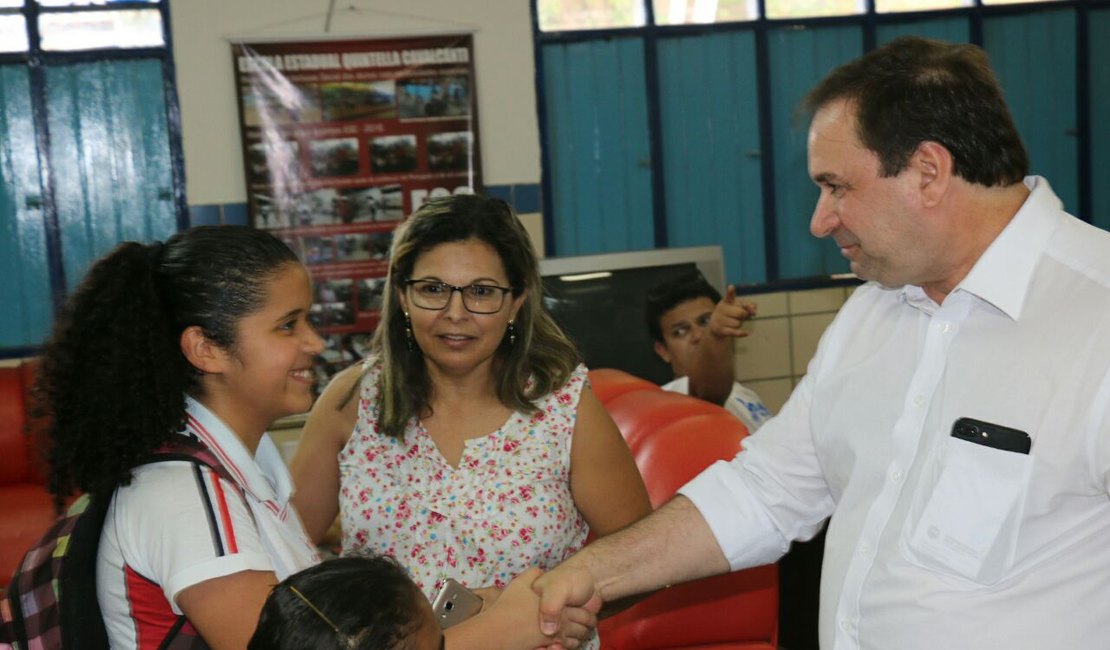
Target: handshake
568,607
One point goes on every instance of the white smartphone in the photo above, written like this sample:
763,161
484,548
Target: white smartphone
455,603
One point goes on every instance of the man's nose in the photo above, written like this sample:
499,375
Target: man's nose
824,220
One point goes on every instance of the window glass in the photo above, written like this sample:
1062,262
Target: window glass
558,15
88,30
1012,2
814,8
85,3
890,6
10,3
678,12
13,33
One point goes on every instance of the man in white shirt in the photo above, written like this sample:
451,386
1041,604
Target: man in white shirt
985,301
693,329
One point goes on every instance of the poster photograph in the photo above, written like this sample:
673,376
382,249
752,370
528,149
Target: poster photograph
342,139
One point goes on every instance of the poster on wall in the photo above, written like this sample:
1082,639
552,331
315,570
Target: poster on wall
341,141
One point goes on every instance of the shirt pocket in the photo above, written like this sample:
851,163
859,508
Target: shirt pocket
967,511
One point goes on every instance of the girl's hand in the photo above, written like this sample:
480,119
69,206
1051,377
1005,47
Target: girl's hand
489,595
518,606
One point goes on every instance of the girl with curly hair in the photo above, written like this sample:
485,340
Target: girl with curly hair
469,444
205,336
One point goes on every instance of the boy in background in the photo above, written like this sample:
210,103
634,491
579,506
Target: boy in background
693,328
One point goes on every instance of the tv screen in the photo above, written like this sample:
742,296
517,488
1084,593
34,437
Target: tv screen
598,300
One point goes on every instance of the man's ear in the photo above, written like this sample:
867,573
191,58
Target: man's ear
661,350
935,166
205,355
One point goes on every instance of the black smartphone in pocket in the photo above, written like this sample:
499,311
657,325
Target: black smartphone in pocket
990,435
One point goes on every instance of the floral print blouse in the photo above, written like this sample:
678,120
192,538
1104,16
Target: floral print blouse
505,508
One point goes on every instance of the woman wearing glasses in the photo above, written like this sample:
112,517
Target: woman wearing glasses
468,445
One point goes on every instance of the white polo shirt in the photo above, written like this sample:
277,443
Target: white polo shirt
178,524
742,402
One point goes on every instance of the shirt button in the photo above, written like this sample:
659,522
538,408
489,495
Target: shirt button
919,400
896,476
946,327
847,625
865,550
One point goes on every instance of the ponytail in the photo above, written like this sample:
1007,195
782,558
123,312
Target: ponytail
113,377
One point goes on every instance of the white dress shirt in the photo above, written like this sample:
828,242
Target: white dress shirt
936,542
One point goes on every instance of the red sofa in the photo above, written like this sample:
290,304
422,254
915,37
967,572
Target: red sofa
672,438
26,508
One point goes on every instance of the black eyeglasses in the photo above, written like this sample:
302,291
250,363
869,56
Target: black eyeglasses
477,298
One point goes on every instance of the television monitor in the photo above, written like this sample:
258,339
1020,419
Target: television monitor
598,300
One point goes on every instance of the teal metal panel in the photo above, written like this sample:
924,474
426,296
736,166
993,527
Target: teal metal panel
110,151
598,147
1099,61
1034,58
710,141
953,30
25,289
799,59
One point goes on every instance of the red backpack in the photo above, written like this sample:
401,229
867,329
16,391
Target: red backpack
51,601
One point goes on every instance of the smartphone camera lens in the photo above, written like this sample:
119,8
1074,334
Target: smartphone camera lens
449,605
970,431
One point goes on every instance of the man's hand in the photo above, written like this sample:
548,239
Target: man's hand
563,590
729,314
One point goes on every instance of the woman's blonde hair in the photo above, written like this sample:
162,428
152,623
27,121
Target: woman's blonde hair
538,362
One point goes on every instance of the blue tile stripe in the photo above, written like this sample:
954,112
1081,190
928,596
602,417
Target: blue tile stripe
524,197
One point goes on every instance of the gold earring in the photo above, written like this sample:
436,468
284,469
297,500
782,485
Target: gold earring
512,334
408,331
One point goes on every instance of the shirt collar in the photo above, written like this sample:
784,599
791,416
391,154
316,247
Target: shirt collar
255,474
1004,271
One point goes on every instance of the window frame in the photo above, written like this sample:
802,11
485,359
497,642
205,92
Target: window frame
869,21
37,61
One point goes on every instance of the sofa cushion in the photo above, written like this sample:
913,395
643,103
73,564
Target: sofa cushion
13,438
678,451
608,383
28,512
639,413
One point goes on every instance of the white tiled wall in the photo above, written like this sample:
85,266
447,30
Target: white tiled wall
783,337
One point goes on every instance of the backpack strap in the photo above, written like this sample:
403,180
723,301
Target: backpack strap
182,636
181,447
58,576
75,623
39,581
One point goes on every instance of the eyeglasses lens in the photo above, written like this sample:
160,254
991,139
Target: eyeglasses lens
477,298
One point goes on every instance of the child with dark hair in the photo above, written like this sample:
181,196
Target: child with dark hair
350,603
693,328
